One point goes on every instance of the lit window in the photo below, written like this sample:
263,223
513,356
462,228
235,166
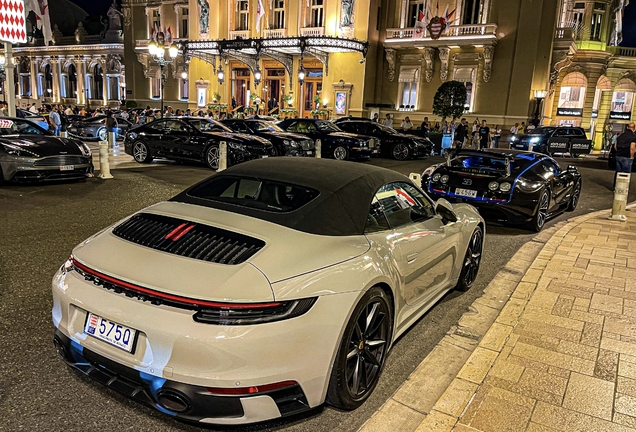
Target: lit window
466,75
317,13
155,86
278,16
408,79
183,23
183,89
473,12
243,15
415,7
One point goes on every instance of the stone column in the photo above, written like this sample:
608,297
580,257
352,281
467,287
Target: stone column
35,68
55,71
104,82
593,74
81,81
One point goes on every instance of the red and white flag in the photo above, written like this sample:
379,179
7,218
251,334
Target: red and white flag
12,22
43,17
420,26
260,13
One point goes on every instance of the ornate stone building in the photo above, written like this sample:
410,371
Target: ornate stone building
83,65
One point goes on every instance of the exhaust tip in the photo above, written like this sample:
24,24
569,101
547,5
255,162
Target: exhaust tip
173,401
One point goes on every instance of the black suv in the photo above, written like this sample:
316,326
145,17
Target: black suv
551,139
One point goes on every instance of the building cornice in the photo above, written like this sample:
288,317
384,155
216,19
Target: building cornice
67,48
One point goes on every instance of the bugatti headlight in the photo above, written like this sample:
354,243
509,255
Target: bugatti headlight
236,146
493,186
444,179
14,150
505,187
436,177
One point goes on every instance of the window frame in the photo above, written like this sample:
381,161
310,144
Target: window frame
423,199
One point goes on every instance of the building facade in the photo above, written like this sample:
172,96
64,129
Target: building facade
83,64
502,50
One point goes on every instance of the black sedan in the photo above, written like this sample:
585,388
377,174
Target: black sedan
335,143
193,139
29,153
285,143
510,186
95,128
392,143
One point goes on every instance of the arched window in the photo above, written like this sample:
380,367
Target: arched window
623,100
24,69
98,82
572,93
71,88
48,81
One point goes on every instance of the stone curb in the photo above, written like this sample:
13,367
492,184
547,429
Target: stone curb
434,396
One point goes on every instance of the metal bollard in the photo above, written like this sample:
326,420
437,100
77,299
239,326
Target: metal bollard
416,179
318,149
222,156
111,139
620,197
104,165
64,134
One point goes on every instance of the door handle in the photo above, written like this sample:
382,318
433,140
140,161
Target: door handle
412,257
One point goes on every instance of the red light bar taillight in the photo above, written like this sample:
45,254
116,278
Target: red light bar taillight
246,391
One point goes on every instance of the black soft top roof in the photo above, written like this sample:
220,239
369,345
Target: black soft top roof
346,191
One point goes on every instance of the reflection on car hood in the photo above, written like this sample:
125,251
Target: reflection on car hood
43,145
347,135
239,137
283,135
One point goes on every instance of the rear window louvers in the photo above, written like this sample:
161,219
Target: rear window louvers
188,239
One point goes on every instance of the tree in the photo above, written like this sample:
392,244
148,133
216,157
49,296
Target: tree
449,100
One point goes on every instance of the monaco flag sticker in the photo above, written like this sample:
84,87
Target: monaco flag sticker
12,22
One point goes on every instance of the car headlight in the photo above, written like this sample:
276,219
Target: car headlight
18,151
513,138
493,186
131,135
505,187
535,140
236,146
85,150
291,143
436,177
444,179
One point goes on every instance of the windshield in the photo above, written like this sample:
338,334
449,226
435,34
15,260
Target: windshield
262,126
254,193
484,163
387,129
541,131
11,127
327,126
209,125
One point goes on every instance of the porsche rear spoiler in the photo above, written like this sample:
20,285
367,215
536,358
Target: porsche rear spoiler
494,155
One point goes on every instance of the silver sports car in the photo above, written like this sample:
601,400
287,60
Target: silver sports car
266,290
30,153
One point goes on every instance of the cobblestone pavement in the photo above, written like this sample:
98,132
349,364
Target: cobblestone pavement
559,356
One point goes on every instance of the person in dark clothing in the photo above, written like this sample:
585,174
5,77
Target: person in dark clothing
625,148
461,132
484,135
111,123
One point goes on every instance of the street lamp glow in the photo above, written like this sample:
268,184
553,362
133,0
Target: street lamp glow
540,94
184,75
173,51
152,48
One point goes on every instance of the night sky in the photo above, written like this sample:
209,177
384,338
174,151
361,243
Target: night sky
97,7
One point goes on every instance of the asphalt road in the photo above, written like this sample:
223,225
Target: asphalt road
39,226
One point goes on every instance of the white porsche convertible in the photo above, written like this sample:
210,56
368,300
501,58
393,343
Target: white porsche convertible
266,290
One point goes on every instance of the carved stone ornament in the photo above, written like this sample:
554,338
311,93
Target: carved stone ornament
56,36
429,54
560,60
488,53
80,32
444,53
127,13
113,63
390,58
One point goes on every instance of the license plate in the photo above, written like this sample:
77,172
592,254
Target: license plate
310,152
466,193
110,332
67,167
264,156
371,144
375,151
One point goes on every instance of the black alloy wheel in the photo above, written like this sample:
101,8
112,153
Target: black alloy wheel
400,151
102,134
213,157
541,216
576,194
340,153
274,151
141,153
472,260
362,351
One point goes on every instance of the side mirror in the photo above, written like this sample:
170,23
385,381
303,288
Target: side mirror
445,210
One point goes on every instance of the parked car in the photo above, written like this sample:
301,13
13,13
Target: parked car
334,142
393,144
344,119
192,139
30,153
510,186
285,143
38,119
566,140
95,128
263,291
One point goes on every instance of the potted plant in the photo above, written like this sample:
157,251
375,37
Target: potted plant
287,98
216,97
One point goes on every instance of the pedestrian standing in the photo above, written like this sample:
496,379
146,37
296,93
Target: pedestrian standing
56,122
406,124
475,126
515,129
111,123
388,121
426,125
496,137
625,148
33,108
522,128
461,132
484,135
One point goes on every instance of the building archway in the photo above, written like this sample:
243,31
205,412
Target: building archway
571,99
98,82
623,100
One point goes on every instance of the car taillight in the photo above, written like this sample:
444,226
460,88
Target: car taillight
243,314
245,391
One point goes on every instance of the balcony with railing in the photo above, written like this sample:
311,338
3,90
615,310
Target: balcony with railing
312,31
240,34
622,51
455,35
274,33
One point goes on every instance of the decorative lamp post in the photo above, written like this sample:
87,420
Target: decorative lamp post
157,49
220,75
3,75
257,76
301,75
539,95
184,75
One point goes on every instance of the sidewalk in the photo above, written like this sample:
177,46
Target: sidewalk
559,356
117,157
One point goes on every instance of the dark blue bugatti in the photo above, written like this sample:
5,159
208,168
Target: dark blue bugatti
509,186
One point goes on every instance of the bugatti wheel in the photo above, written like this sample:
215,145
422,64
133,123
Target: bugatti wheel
541,216
472,260
362,351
